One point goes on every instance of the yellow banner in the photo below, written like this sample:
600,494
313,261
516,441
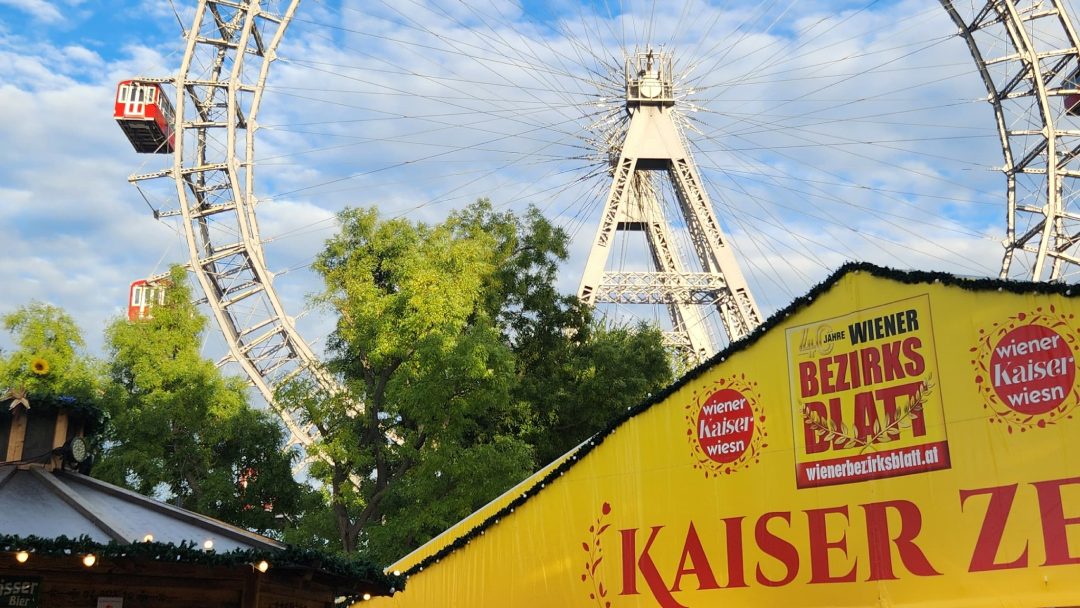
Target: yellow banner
892,443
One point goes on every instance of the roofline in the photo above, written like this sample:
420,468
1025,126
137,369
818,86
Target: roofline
71,497
460,528
201,521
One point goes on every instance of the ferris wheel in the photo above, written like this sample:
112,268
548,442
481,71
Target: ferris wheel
859,134
1026,54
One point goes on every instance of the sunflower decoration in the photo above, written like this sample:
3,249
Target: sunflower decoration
39,366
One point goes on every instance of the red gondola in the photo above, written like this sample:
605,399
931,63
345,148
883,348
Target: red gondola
144,295
1072,101
145,114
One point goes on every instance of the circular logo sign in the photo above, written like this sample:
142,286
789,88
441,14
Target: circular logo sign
725,426
1032,369
1025,368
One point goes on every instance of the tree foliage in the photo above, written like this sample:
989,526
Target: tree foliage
48,357
578,387
428,381
182,431
462,365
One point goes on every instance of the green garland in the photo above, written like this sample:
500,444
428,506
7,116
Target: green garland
189,553
906,277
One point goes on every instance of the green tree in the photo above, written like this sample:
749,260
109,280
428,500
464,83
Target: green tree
574,373
578,387
182,431
48,357
447,337
416,346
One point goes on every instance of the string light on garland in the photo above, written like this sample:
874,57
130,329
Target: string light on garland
262,566
22,556
208,544
149,538
192,553
367,596
89,560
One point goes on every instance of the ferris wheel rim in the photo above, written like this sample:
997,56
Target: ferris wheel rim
201,249
1031,67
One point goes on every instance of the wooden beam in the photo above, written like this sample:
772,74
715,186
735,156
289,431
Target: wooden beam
59,439
17,437
252,587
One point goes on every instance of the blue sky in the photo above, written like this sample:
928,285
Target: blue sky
108,29
816,123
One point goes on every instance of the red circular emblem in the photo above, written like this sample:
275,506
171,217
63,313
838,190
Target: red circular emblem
725,425
1032,369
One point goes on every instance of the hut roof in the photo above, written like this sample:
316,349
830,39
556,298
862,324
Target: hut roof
56,513
49,504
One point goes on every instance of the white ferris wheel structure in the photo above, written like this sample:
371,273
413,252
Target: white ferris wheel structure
632,114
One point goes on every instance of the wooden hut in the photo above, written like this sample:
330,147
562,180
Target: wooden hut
70,541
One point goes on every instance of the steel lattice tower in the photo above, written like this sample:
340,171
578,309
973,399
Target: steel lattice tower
654,149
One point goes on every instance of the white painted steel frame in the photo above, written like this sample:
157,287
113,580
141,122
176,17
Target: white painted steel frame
653,140
1026,51
230,47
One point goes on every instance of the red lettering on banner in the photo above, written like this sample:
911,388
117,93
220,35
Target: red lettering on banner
892,534
836,413
871,365
890,359
820,546
895,396
774,546
915,364
878,538
733,531
867,417
815,442
827,384
868,366
993,529
808,384
632,562
694,553
1054,523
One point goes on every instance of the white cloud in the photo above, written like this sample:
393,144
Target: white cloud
40,10
78,233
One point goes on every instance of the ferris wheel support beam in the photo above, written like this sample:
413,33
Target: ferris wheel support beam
1035,63
654,144
214,181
